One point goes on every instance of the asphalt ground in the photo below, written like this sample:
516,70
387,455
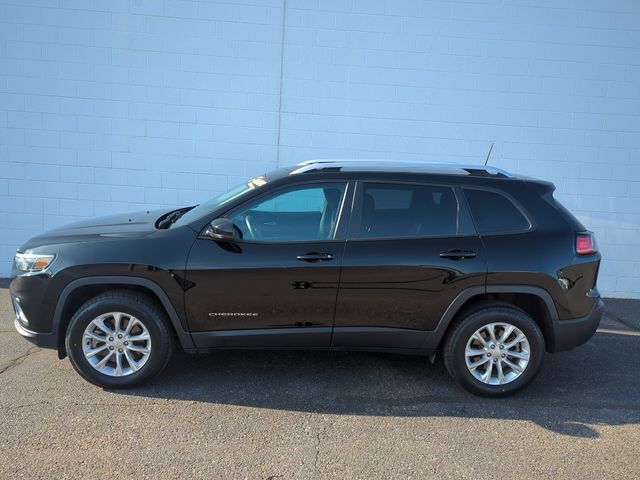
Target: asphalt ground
306,415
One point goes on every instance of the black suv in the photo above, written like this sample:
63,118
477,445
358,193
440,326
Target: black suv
470,261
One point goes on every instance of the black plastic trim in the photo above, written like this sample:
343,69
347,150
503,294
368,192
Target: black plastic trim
568,334
375,338
540,292
42,340
295,337
183,335
433,340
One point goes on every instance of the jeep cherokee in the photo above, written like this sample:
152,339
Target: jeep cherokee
481,265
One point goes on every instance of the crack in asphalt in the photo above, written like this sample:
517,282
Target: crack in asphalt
317,455
84,404
318,443
14,362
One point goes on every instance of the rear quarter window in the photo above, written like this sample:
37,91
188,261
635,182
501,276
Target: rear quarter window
495,213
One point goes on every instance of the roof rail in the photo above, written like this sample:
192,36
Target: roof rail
335,164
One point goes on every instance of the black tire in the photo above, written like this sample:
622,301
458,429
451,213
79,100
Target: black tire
131,303
460,333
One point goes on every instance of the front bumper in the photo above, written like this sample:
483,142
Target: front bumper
22,325
568,334
43,340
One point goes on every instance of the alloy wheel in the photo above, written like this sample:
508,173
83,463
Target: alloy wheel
116,344
497,353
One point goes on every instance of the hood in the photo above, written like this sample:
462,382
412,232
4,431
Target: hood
126,225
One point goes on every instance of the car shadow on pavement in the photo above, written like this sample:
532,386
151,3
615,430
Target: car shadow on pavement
594,384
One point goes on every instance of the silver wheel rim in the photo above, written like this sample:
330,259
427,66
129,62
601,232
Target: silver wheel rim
116,344
497,353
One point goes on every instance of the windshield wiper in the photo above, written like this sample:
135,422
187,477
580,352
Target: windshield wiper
171,218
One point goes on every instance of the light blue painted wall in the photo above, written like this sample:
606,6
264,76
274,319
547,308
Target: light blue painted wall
109,106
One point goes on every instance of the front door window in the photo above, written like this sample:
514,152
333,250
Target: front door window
295,214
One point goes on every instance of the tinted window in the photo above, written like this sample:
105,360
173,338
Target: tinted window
493,212
396,210
303,212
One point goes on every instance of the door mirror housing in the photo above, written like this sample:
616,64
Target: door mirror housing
222,230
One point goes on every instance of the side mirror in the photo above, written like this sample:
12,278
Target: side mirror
222,230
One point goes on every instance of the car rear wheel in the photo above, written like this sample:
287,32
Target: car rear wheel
119,339
494,351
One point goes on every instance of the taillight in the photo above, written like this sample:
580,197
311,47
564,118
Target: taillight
586,244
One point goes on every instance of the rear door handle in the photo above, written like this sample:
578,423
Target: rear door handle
458,254
315,257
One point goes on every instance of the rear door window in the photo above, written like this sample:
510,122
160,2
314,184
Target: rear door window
391,210
493,212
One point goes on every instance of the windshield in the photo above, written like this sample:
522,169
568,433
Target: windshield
216,202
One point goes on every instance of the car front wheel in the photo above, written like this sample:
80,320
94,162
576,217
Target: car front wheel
119,339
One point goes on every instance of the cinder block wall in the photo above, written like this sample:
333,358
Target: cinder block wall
109,106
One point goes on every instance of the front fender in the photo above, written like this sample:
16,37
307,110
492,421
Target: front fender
60,321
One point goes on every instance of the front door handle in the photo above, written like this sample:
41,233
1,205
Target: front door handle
315,257
458,254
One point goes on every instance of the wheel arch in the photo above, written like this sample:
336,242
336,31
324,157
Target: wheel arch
79,291
535,301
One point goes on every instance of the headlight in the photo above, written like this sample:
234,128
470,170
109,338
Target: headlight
32,262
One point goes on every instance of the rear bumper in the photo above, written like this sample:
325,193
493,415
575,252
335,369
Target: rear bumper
568,334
